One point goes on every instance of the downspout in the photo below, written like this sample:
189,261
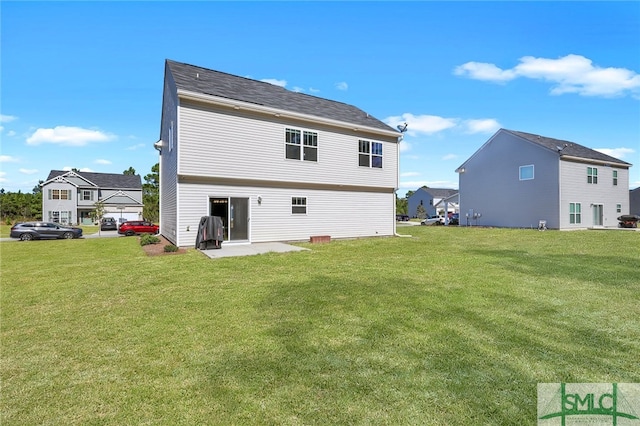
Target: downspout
395,192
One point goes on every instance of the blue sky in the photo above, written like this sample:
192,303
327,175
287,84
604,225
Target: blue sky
81,82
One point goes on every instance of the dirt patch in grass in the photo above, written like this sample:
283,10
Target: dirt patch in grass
158,248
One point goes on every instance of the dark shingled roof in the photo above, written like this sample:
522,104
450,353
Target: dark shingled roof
440,192
202,80
105,180
572,149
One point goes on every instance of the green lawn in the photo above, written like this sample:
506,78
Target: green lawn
452,326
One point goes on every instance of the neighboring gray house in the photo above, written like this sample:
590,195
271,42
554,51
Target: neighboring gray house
517,179
429,198
275,165
69,197
634,201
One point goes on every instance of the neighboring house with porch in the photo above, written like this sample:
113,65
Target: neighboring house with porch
70,197
517,179
431,200
275,165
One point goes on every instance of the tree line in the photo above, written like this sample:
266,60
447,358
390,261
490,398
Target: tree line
20,207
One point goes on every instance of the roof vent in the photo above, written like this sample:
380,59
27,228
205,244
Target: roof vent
197,76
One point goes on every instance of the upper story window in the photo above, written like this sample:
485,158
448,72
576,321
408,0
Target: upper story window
615,178
301,145
618,208
87,195
59,194
369,154
526,172
592,175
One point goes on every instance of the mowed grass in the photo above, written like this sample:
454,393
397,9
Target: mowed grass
453,326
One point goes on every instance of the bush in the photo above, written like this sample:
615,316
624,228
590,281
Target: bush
170,248
147,239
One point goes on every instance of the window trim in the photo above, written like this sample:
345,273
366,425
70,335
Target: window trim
299,205
592,175
615,178
526,167
575,216
371,153
618,208
306,141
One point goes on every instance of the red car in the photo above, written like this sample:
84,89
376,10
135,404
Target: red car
133,227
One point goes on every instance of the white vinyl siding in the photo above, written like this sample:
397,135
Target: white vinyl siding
576,189
340,214
210,145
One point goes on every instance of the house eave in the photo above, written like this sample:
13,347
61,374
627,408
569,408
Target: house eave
594,161
240,105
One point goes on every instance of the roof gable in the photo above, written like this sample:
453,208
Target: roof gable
101,180
215,83
120,198
567,148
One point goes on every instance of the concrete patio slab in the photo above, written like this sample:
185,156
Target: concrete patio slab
250,249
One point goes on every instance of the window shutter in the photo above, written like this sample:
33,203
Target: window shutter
49,192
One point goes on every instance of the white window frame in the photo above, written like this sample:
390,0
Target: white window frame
523,169
299,205
56,194
592,175
306,141
575,217
366,149
615,178
85,192
618,208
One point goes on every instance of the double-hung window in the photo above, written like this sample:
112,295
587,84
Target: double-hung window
370,154
575,213
59,194
87,195
615,178
592,175
299,205
301,145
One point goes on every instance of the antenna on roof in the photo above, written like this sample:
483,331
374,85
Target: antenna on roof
402,128
561,148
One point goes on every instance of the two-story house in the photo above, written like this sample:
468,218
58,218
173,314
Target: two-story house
274,164
70,197
518,179
431,200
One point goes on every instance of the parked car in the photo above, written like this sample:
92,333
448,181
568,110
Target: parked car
108,224
133,227
454,219
402,217
27,231
431,220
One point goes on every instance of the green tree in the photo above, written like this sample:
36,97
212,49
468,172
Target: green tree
130,171
421,212
401,205
151,194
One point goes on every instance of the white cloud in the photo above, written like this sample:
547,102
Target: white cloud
83,169
28,171
7,118
449,157
275,82
569,74
312,90
101,161
404,146
134,147
2,175
297,89
423,124
8,159
342,86
11,133
485,125
68,136
410,174
618,153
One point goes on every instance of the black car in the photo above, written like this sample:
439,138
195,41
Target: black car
108,224
454,219
27,231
